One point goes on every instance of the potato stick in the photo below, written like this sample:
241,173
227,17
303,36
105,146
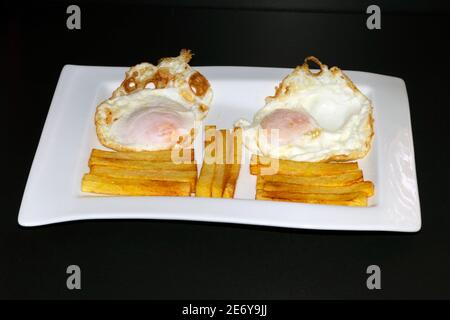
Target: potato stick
219,179
356,202
139,164
210,135
133,187
222,170
230,185
348,199
203,188
162,175
268,166
365,187
236,166
342,179
157,156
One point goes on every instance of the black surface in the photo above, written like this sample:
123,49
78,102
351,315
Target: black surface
161,259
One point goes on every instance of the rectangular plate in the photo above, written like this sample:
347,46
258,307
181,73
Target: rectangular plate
53,191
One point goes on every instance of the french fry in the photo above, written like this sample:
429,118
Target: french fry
133,187
143,165
203,188
236,165
268,166
222,169
166,175
204,182
347,199
335,180
156,156
365,187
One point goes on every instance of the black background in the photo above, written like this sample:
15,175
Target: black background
187,260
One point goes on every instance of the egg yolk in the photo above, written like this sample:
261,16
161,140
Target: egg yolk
157,128
288,123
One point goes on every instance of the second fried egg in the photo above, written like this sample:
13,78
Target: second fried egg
318,116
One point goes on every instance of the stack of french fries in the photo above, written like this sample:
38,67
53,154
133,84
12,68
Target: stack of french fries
221,163
310,182
149,173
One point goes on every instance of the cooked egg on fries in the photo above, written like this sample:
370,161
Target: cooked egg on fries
155,107
313,116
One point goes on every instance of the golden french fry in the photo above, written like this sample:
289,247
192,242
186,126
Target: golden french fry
268,166
140,164
346,199
203,188
133,187
365,187
204,182
162,175
210,135
222,169
236,165
157,156
342,179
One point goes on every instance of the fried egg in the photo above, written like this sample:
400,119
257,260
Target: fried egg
319,116
155,107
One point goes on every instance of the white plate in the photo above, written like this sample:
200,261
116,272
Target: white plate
53,191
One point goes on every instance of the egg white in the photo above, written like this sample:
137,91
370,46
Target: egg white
124,108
